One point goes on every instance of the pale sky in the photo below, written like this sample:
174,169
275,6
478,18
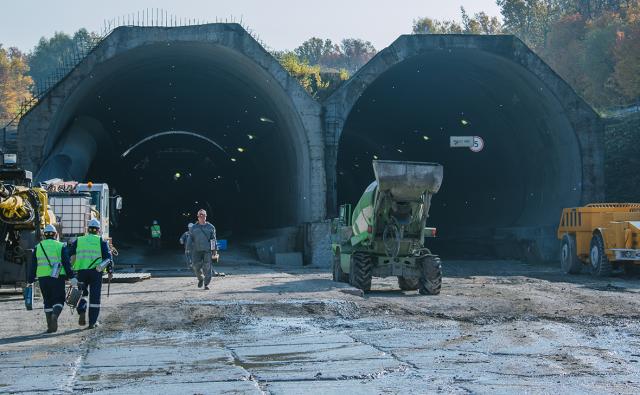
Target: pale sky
281,24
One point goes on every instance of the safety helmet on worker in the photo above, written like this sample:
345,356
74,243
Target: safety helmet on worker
94,223
155,222
190,225
50,231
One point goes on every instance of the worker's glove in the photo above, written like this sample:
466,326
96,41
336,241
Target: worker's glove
74,282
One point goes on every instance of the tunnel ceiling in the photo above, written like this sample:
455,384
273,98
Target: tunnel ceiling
241,154
530,167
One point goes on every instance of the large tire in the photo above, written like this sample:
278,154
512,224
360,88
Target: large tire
569,261
600,265
408,283
338,275
431,275
361,271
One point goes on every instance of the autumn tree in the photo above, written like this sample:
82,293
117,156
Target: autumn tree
15,84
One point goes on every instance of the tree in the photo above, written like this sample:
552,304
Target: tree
356,53
308,76
480,23
314,50
530,20
52,53
15,84
432,26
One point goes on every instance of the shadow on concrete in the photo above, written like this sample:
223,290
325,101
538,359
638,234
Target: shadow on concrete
551,272
26,338
308,285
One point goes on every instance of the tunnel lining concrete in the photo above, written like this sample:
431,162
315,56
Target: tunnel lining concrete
583,120
227,47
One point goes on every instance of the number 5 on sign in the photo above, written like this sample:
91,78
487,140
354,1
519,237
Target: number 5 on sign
478,144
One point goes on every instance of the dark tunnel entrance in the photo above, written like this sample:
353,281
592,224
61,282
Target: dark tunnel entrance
513,189
191,126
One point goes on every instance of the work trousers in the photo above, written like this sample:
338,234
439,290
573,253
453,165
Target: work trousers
155,242
201,264
53,293
91,280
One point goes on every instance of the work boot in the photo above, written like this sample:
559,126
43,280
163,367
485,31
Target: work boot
82,318
54,322
206,287
200,282
94,325
48,315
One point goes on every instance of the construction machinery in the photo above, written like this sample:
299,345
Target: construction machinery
23,214
601,237
384,235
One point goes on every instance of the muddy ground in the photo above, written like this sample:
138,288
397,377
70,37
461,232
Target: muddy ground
497,327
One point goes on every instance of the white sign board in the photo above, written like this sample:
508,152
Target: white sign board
478,144
461,141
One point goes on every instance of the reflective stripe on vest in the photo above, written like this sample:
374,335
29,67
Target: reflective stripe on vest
88,252
53,248
155,231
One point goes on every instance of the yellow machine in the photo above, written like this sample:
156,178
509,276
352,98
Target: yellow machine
24,212
602,236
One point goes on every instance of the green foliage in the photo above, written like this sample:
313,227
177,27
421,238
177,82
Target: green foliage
15,84
432,26
51,53
350,54
479,23
308,76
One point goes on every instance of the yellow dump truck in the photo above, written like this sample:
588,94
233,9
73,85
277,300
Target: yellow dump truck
601,236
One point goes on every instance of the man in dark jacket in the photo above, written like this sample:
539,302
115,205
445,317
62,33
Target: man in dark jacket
51,267
91,251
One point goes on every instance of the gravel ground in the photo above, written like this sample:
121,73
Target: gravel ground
497,326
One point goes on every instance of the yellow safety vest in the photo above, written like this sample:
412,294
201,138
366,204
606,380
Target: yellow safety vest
53,249
88,252
155,231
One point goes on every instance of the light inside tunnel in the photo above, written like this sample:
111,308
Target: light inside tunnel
530,166
172,116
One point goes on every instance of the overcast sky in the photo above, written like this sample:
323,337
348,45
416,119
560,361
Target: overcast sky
282,24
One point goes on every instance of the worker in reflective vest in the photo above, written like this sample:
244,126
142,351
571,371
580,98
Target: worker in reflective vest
51,268
93,257
156,235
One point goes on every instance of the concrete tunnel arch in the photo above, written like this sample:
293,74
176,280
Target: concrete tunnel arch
543,142
238,95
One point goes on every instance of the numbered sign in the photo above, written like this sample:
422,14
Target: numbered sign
478,144
461,141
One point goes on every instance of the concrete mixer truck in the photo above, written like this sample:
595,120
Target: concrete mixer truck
384,235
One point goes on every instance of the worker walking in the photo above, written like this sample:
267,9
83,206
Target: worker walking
202,240
92,258
51,268
185,240
156,234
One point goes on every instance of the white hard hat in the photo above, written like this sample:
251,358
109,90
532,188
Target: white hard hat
190,225
94,223
50,229
155,222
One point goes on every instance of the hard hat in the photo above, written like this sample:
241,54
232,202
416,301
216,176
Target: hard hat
50,229
155,222
190,225
94,223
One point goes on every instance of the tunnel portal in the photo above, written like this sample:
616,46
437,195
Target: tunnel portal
500,202
181,118
181,125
